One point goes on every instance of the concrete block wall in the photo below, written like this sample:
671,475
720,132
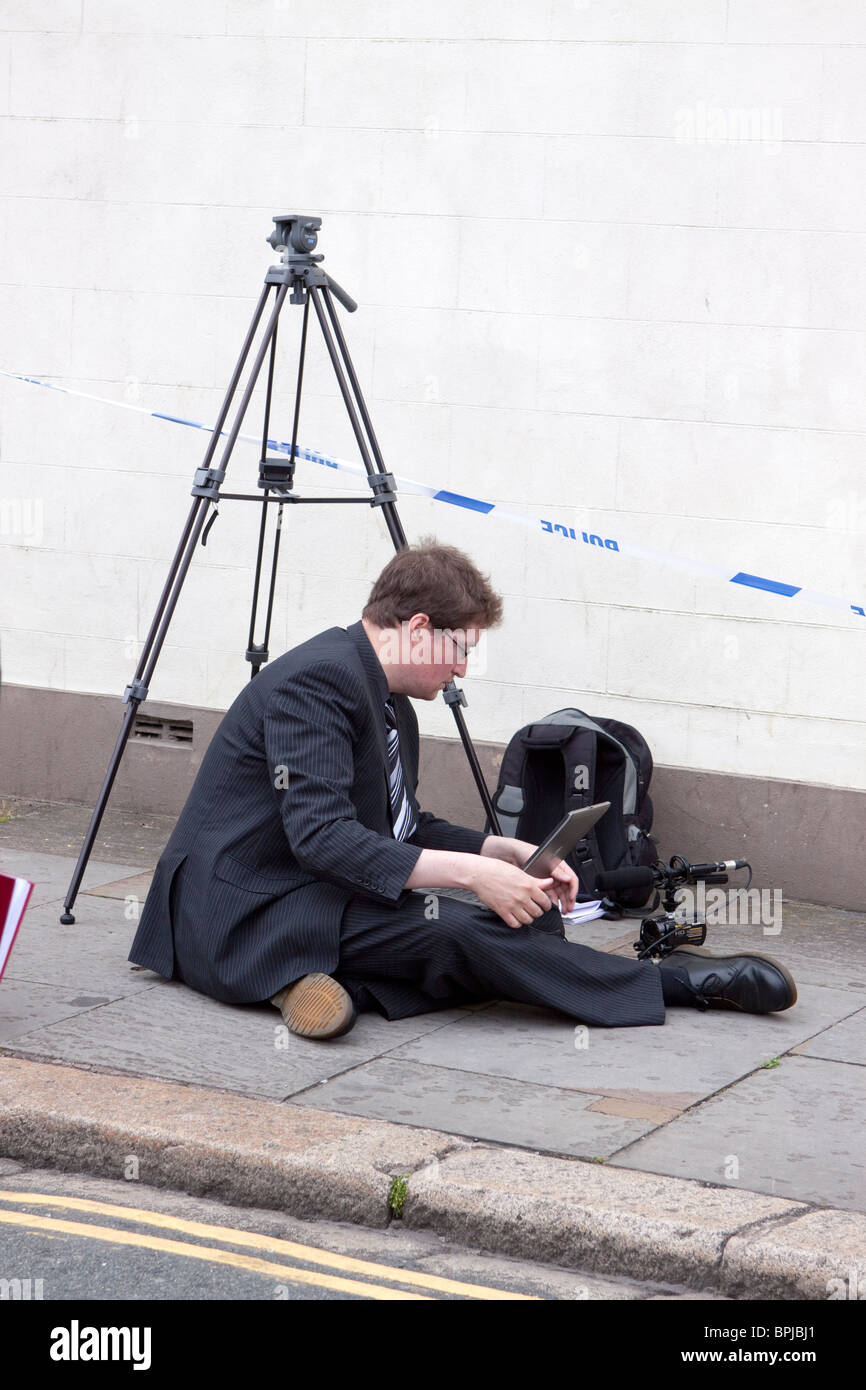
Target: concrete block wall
610,263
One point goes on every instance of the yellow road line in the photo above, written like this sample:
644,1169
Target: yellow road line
209,1253
311,1254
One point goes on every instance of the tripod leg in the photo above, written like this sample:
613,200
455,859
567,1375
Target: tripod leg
353,377
206,462
261,650
137,692
392,520
257,654
455,698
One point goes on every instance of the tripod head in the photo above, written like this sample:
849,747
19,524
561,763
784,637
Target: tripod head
296,235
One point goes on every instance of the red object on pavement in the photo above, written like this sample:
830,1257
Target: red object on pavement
14,897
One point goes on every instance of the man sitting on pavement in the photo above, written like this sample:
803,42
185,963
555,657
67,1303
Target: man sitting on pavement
288,876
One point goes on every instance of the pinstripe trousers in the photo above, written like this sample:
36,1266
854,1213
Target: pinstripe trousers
411,962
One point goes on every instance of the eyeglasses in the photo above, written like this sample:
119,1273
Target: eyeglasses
463,651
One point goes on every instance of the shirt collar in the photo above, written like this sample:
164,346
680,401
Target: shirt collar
370,661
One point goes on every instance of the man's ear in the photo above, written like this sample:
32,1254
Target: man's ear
416,623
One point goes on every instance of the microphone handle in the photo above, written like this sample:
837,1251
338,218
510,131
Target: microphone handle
721,866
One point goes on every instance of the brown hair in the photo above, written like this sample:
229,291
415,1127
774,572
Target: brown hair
435,579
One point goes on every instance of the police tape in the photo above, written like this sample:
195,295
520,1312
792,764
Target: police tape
554,529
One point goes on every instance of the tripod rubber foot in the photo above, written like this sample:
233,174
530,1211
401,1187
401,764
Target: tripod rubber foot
67,919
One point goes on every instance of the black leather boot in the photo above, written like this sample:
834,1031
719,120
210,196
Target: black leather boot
748,982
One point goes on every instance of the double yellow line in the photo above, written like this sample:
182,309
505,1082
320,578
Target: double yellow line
272,1245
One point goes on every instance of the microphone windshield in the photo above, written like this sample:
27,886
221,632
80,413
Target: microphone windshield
618,880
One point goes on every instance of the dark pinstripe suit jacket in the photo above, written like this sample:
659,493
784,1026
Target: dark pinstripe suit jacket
288,819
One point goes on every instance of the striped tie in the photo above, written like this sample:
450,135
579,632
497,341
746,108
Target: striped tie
401,811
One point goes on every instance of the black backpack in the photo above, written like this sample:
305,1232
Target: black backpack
568,760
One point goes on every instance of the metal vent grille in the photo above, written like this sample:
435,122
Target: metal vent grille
150,730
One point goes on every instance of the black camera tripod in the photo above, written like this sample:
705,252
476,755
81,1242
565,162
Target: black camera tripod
299,271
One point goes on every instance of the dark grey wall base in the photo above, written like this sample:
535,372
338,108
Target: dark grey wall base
807,840
55,746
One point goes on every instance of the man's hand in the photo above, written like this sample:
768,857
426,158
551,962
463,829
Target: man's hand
516,897
564,885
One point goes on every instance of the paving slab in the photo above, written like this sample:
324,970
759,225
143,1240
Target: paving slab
137,886
171,1031
792,1130
602,935
25,1006
844,1042
677,1063
50,874
90,955
486,1107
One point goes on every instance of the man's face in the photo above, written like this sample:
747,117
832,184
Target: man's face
432,656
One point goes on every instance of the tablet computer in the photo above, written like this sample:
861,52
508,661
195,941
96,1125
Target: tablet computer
557,845
563,839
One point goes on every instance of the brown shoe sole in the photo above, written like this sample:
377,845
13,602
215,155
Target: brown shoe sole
761,955
316,1006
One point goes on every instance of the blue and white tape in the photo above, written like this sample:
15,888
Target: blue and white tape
556,530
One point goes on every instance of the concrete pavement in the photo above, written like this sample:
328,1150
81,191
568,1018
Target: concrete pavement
717,1151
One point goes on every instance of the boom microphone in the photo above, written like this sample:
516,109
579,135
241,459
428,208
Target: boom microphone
673,927
619,880
643,879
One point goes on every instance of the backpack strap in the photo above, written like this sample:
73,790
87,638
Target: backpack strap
509,802
509,799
